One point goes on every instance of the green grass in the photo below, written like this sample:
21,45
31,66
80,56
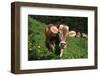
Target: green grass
77,47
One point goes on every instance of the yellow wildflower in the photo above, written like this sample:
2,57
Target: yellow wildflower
38,46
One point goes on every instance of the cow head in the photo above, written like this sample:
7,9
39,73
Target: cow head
63,33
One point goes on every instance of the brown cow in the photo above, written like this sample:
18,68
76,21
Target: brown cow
56,38
51,32
63,33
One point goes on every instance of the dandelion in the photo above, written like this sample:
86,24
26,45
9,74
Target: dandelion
30,49
38,46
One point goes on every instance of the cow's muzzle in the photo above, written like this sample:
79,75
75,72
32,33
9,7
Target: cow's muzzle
63,44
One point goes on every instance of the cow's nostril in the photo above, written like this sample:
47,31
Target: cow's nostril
63,45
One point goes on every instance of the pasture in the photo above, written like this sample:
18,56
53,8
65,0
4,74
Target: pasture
77,46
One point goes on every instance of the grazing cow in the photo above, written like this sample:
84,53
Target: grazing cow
78,34
56,38
84,35
72,33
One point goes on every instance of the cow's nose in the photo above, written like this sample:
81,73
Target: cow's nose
63,45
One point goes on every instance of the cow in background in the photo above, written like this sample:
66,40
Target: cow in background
56,37
72,33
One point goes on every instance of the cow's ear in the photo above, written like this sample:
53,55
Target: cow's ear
46,29
54,29
48,26
67,27
61,26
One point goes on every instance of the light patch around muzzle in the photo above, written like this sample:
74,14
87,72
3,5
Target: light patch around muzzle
62,44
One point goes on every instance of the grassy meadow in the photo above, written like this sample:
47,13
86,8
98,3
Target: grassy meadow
77,47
